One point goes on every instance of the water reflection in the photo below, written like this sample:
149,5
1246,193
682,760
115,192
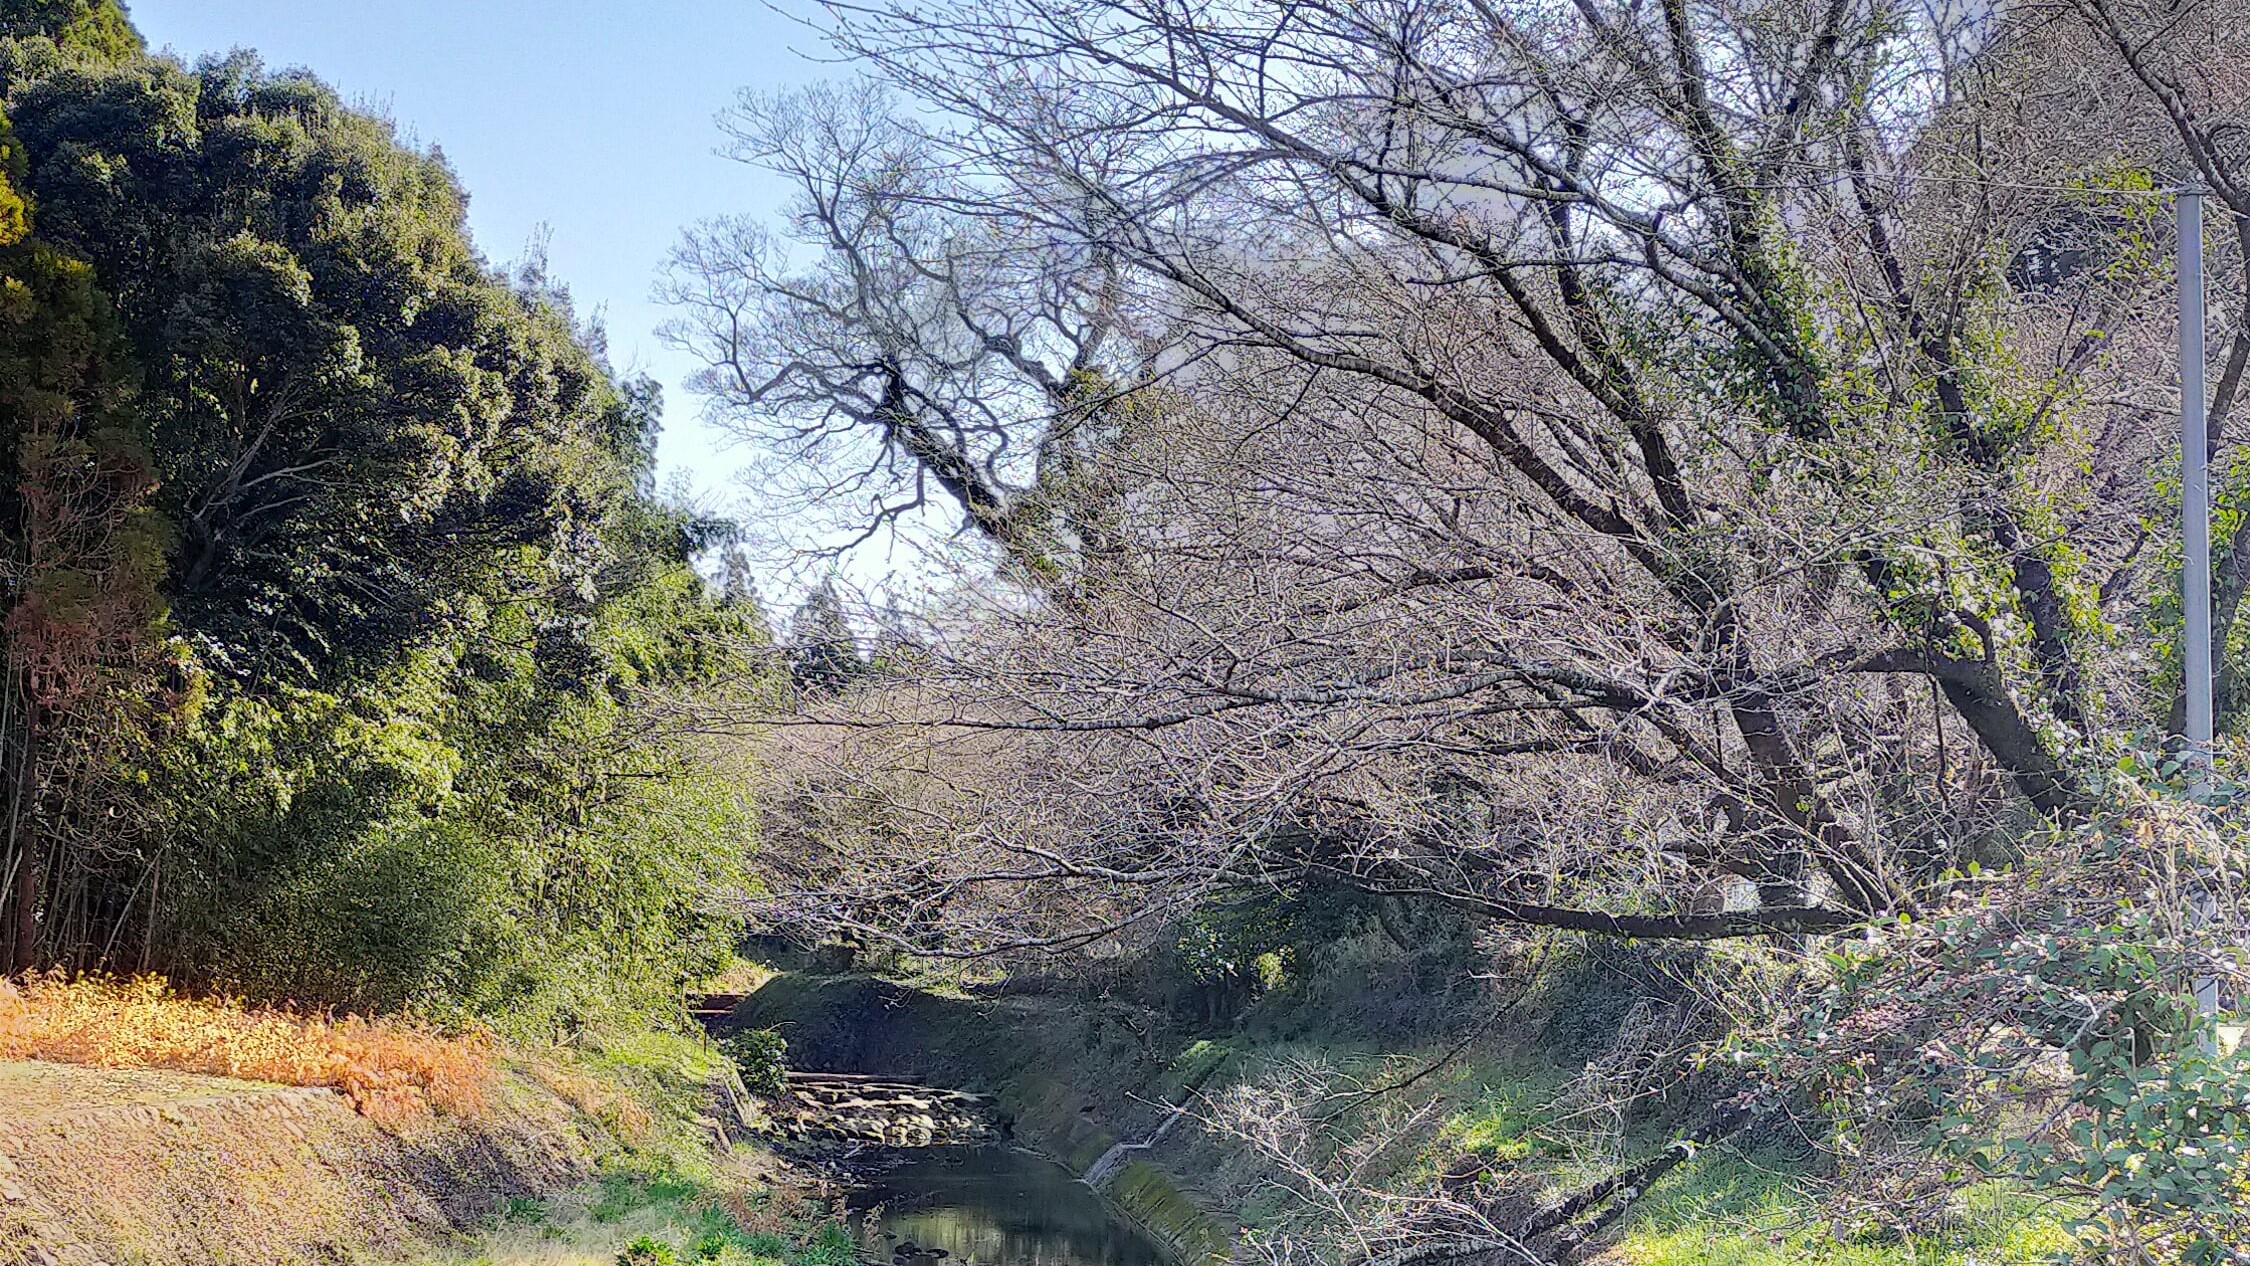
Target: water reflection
991,1206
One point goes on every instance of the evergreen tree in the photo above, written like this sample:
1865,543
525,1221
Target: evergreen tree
96,27
82,556
737,582
337,588
823,651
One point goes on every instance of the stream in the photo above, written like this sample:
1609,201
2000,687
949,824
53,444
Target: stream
991,1206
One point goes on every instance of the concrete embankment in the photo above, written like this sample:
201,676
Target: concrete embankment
1077,1089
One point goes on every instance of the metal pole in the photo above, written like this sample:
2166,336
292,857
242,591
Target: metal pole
2195,483
2195,535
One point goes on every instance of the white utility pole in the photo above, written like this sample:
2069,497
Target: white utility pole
2195,525
2195,483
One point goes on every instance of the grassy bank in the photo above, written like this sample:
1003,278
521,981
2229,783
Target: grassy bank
390,1070
664,1194
1502,1119
1084,1071
1741,1209
1756,1205
643,1215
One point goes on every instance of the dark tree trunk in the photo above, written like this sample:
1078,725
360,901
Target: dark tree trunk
28,881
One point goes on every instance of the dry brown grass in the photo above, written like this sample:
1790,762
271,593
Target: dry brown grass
390,1070
618,1111
741,975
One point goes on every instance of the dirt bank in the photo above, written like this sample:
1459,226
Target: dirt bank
100,1166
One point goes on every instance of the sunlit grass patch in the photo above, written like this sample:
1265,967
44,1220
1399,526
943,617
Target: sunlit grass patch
1732,1210
390,1070
740,975
639,1214
642,1085
1502,1117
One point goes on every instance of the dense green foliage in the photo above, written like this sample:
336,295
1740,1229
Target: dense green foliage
2045,1031
758,1057
99,27
343,609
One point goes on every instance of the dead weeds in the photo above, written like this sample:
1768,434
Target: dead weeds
391,1070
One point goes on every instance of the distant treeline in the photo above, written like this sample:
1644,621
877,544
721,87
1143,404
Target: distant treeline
339,612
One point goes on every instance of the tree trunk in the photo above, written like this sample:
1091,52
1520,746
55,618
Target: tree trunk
2009,737
27,882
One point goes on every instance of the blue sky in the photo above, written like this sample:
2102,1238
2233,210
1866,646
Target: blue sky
591,117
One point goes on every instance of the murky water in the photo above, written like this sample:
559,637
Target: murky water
993,1206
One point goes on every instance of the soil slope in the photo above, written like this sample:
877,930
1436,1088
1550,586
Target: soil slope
101,1166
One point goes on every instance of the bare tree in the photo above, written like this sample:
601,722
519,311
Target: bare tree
1684,470
934,346
1678,394
2161,77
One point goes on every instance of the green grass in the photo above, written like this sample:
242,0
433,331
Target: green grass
672,1069
645,1217
661,1197
624,1193
1724,1208
1197,1063
670,1075
1503,1115
1727,1209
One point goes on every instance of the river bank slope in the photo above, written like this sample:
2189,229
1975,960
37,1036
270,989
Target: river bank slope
1082,1086
1095,1081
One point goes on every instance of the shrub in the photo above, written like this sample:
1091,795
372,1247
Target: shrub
757,1053
2044,1031
648,1251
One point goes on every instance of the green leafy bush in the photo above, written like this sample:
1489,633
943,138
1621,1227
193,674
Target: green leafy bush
757,1055
2043,1030
648,1251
